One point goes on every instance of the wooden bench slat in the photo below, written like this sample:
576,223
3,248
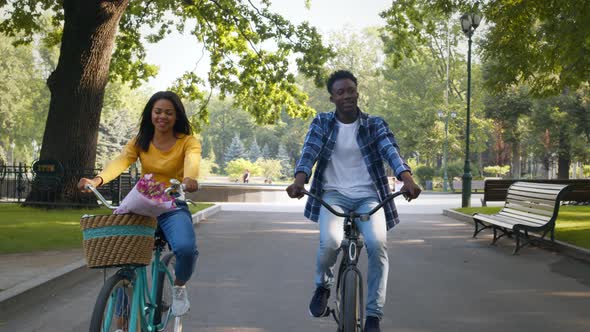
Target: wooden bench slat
529,209
531,205
544,218
549,193
547,202
502,222
517,215
538,185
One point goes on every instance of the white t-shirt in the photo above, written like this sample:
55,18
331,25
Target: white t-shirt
346,171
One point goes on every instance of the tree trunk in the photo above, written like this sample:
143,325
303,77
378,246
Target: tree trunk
77,90
564,155
515,169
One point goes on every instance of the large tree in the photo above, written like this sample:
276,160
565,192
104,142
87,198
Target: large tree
101,39
542,44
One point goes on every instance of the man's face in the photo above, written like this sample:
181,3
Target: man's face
345,96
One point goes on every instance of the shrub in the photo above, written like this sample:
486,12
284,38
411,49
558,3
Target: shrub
270,168
235,168
497,170
424,173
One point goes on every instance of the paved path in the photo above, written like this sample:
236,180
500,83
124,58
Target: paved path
255,274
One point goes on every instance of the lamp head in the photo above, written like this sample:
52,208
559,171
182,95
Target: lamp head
466,23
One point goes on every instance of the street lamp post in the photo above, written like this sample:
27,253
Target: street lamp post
469,22
442,115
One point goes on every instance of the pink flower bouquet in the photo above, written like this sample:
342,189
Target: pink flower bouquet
147,198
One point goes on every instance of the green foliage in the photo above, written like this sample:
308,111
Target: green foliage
235,150
3,157
251,51
271,169
587,171
412,163
254,152
287,167
424,173
497,170
24,98
206,167
119,120
540,43
235,168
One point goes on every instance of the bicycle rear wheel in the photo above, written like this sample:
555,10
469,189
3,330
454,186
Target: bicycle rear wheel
113,305
350,318
164,294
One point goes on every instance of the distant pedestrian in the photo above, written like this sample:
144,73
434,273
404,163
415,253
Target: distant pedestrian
246,176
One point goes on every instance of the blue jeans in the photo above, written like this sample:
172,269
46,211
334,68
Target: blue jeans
177,227
374,232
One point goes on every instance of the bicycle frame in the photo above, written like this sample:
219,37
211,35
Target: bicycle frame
351,247
143,297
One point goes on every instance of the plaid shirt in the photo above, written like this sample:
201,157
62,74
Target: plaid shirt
376,143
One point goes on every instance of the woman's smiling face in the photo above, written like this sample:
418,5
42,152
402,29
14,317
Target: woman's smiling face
163,116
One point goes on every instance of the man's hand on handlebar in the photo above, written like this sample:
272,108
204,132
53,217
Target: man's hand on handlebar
97,181
297,189
410,187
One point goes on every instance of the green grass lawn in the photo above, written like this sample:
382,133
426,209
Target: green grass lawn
25,229
572,226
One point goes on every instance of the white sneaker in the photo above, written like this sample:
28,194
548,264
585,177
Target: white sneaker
180,304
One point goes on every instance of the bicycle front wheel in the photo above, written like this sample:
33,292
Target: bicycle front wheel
165,292
351,302
112,310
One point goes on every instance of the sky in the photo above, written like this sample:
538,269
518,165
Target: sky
178,53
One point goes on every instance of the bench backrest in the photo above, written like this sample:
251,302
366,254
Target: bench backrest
497,189
537,203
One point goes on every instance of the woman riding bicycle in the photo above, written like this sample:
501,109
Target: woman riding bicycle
166,148
349,147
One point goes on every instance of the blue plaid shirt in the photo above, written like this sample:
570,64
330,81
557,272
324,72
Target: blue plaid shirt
376,143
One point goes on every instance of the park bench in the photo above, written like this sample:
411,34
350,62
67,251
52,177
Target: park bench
529,207
495,190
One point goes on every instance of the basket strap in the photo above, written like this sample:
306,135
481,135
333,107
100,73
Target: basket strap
128,230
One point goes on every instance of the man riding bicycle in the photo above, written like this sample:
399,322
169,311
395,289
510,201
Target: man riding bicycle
349,147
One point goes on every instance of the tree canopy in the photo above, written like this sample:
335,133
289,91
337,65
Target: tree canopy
232,33
543,43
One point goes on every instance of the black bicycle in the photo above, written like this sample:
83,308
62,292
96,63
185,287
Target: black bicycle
349,309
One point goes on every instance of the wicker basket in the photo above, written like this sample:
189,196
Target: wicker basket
118,239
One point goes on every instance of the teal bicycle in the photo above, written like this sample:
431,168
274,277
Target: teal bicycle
133,299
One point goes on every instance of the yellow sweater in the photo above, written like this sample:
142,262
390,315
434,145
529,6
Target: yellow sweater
181,161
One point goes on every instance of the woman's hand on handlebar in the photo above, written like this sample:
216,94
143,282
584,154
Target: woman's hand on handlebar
190,185
97,181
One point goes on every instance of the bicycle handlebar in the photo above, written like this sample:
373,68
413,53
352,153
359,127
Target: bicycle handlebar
362,216
175,190
99,196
